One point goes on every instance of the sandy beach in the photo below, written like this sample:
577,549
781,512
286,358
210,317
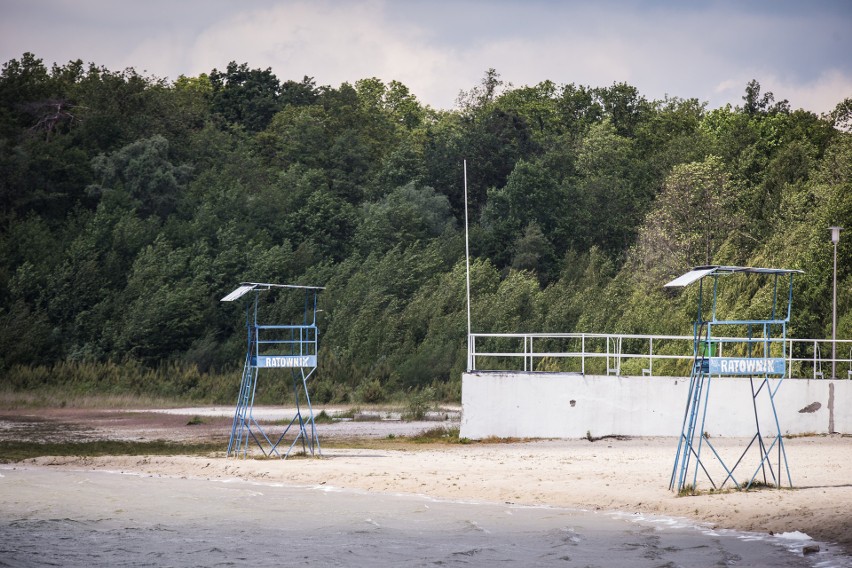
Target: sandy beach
627,475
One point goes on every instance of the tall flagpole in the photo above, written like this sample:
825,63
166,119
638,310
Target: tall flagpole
467,264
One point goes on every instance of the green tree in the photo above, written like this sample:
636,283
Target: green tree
578,108
144,172
533,252
691,218
114,109
405,216
755,104
624,107
531,196
538,106
841,117
165,302
329,222
672,135
404,163
608,199
26,337
248,97
403,106
299,93
481,96
25,94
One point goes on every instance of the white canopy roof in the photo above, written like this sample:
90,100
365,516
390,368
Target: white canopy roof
246,287
700,272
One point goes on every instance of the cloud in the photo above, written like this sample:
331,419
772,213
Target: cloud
821,95
334,43
707,50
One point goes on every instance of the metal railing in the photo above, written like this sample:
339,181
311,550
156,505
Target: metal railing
645,355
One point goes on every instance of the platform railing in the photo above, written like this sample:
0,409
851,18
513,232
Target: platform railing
639,355
286,339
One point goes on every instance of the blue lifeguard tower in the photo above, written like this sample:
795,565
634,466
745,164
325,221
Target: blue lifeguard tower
753,348
276,346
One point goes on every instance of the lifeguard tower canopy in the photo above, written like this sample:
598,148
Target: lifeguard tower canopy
773,328
750,348
700,272
246,287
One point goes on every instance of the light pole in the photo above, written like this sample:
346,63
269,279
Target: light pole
835,238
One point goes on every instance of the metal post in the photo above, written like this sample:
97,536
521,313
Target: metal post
651,357
532,351
835,238
467,268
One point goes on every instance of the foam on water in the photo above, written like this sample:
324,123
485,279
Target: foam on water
79,518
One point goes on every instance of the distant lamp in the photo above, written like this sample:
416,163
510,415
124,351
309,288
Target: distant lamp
835,238
835,234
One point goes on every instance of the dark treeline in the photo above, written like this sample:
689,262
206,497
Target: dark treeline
130,205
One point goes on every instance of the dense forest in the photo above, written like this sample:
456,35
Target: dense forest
129,205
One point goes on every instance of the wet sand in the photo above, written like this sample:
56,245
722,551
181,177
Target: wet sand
95,518
610,476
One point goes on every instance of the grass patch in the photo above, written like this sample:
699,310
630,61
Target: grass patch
618,437
435,435
803,435
349,413
419,403
499,440
691,491
17,451
439,436
61,398
323,418
756,485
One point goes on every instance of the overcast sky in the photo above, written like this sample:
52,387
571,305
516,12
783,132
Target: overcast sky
799,50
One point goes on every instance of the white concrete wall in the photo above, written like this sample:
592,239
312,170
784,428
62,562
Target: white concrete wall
545,405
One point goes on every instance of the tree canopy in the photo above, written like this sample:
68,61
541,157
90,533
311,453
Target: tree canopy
129,205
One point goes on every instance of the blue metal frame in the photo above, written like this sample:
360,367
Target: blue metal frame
276,346
757,364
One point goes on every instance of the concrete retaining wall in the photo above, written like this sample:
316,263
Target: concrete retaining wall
545,405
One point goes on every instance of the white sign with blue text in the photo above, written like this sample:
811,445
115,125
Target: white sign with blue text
288,361
746,366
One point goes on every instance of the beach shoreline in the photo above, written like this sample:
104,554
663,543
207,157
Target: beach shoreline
630,475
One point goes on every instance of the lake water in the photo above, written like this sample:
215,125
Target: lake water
82,518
